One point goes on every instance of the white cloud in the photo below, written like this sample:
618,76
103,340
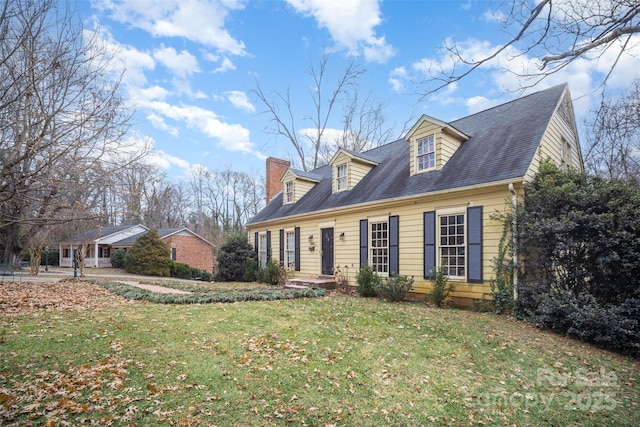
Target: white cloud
126,60
494,16
200,21
181,64
351,25
165,160
159,123
231,137
397,76
240,100
479,103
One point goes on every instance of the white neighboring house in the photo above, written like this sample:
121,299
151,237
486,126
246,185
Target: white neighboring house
186,246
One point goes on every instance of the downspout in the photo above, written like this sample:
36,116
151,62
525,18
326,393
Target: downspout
514,236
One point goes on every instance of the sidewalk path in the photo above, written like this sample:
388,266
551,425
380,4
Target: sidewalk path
155,288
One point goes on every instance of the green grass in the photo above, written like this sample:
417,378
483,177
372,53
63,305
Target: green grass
335,360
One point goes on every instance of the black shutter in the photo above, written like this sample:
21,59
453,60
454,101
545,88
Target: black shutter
281,247
474,244
429,229
255,246
268,246
394,238
297,237
364,241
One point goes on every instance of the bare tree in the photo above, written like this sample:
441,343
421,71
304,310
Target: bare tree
555,32
614,138
61,117
363,122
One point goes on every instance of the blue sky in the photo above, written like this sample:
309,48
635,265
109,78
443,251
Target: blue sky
190,65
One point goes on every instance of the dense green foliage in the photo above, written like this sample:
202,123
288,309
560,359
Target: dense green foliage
180,270
502,284
212,296
393,288
581,237
232,258
149,256
53,257
117,258
441,287
367,280
272,273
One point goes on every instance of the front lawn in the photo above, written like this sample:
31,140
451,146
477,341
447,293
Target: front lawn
75,353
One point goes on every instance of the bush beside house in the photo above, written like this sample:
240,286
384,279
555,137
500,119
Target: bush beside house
149,255
581,238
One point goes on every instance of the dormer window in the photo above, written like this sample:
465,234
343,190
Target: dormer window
288,192
341,179
426,153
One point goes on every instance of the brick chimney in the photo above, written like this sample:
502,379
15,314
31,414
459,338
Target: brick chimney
276,169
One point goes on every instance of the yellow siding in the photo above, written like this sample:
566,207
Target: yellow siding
355,171
411,245
446,144
300,186
551,145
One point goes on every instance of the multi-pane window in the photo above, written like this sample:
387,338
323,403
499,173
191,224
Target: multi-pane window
262,249
426,153
565,154
380,246
452,244
289,192
341,177
290,249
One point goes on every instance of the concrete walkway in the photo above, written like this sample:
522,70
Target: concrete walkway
55,274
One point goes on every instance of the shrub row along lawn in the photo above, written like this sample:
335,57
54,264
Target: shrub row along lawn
74,353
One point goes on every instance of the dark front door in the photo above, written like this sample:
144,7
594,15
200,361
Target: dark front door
327,251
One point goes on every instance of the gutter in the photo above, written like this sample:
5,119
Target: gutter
514,229
360,206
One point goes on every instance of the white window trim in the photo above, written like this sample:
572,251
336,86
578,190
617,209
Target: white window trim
292,193
449,212
262,237
416,156
378,220
345,177
290,264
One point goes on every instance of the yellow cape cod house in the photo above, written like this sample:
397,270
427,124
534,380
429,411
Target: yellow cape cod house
423,201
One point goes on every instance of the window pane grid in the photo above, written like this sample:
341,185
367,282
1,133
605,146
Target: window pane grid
290,249
379,247
452,245
263,249
342,176
426,153
289,192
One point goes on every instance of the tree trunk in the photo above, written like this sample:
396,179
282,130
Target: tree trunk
13,246
34,263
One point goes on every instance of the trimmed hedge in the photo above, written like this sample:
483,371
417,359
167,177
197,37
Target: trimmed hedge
264,294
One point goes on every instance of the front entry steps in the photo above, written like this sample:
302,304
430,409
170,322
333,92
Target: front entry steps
325,282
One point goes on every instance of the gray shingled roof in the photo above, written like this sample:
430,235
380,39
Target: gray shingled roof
91,235
163,232
503,141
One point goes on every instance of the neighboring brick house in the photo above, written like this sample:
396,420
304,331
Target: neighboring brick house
186,246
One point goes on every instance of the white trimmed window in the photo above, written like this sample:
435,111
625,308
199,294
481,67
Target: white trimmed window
426,153
341,177
288,192
262,249
290,249
452,248
379,246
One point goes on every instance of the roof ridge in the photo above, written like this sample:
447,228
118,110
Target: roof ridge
509,102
